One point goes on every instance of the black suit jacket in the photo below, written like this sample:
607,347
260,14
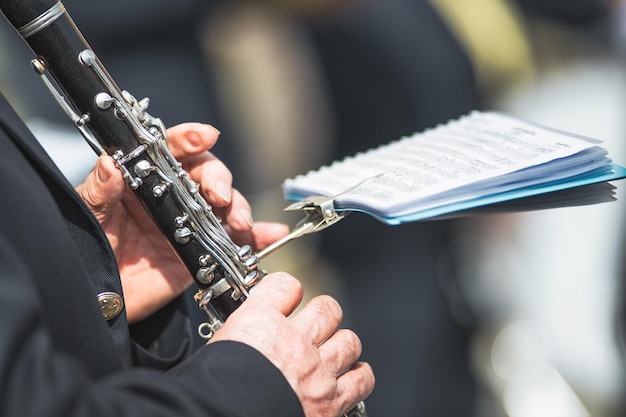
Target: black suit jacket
59,356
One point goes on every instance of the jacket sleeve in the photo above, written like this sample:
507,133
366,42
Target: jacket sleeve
222,379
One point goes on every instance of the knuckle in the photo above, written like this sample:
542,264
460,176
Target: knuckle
365,379
349,343
286,282
328,306
355,343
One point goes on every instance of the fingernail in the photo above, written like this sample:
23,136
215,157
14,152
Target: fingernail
247,217
223,190
101,172
216,131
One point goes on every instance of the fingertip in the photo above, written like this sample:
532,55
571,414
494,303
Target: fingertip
239,221
103,173
224,192
104,170
369,377
274,231
327,304
246,216
200,136
108,172
104,186
215,130
192,138
285,281
357,384
238,213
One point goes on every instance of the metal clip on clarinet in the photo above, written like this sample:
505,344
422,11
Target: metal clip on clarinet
114,122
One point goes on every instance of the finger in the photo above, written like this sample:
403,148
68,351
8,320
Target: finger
279,290
188,139
189,143
238,214
341,350
103,188
214,177
319,318
355,385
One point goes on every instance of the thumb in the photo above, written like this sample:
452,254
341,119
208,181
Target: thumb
103,188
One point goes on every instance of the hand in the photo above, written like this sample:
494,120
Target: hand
151,273
319,361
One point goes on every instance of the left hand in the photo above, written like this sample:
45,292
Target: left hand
151,273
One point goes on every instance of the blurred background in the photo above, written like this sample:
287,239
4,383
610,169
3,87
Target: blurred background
514,315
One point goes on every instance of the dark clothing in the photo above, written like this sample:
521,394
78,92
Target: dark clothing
59,356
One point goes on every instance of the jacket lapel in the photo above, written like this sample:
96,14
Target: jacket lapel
25,140
83,226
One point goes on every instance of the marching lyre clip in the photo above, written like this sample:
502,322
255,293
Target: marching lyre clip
319,213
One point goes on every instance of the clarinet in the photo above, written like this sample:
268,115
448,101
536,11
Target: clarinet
113,122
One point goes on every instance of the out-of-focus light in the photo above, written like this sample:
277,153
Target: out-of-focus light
544,395
520,351
532,386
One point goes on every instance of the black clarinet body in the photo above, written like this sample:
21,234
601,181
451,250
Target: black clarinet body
115,123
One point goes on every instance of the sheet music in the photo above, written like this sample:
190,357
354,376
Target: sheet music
475,154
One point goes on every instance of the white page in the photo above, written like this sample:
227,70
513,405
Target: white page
411,170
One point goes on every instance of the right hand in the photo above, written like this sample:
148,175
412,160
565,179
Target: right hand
318,360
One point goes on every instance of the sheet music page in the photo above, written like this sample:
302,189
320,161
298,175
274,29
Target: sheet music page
415,172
